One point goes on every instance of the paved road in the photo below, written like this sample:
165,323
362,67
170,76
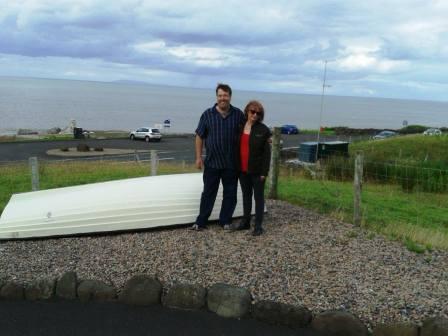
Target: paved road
18,151
87,319
178,148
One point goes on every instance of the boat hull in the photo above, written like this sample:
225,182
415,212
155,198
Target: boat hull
130,204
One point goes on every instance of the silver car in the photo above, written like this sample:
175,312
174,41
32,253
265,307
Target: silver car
146,133
432,131
384,134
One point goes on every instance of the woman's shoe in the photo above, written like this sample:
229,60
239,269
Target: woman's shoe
257,232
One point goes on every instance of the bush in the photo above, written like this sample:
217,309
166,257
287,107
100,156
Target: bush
413,129
83,148
355,131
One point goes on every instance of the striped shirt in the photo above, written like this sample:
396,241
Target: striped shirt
221,136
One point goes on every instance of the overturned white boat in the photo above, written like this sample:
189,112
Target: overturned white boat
130,204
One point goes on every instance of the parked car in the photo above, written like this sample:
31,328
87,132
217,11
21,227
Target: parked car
146,133
385,134
432,131
289,129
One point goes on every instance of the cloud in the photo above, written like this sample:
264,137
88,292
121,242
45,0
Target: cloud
369,62
280,45
201,56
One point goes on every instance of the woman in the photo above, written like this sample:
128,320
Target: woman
255,155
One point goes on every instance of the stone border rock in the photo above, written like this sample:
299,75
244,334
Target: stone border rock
185,296
141,290
228,301
222,299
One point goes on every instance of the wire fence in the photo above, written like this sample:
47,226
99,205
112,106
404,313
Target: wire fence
401,199
405,200
46,173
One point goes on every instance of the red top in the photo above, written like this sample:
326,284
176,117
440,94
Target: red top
244,152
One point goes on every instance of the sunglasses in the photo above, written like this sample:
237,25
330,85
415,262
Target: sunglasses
258,113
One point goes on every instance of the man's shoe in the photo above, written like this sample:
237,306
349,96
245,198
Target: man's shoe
257,232
242,227
196,227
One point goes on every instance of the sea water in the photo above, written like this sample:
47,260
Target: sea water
45,103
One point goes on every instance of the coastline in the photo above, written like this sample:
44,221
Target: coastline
45,135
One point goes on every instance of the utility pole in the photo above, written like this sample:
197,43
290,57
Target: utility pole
321,107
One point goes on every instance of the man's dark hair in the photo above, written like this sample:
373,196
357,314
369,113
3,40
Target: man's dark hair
224,87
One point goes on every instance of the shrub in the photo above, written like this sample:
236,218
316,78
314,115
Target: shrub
354,131
83,148
413,129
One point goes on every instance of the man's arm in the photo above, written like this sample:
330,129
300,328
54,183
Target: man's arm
199,142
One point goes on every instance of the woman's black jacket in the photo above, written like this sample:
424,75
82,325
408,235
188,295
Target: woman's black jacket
259,150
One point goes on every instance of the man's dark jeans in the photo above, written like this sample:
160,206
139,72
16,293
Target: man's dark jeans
212,177
251,184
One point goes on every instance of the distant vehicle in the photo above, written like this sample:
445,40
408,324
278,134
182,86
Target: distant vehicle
146,133
384,135
432,131
289,129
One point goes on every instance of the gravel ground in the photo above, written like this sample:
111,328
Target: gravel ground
303,259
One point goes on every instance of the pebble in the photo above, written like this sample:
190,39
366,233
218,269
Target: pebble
302,259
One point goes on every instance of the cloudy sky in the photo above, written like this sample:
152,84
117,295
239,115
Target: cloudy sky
382,48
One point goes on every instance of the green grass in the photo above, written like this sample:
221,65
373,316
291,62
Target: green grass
415,162
47,137
17,178
55,137
13,179
407,148
419,220
7,138
414,218
314,131
404,195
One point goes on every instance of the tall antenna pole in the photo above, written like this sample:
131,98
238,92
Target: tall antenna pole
321,107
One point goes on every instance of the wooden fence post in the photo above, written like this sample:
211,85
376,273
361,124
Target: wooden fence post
154,162
357,186
274,166
136,156
34,166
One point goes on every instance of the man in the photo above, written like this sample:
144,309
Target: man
219,128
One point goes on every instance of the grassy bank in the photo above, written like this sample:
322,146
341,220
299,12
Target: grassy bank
408,148
17,178
419,220
325,131
414,162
